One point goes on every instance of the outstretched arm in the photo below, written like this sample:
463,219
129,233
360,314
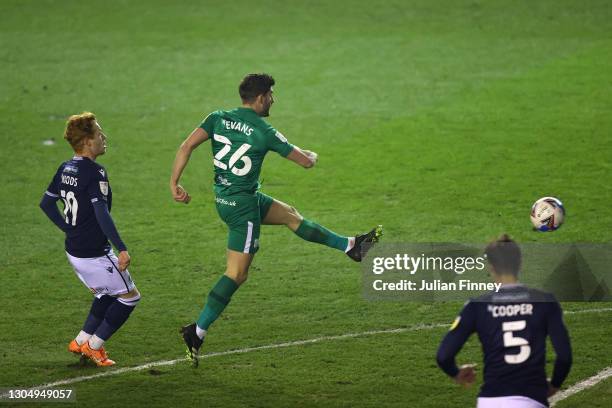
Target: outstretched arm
196,138
304,158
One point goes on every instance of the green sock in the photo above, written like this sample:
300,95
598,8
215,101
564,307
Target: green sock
313,232
218,298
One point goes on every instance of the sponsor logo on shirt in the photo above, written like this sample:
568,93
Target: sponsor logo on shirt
281,137
71,169
223,201
222,180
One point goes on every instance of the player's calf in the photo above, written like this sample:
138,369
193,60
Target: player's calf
96,315
116,315
218,298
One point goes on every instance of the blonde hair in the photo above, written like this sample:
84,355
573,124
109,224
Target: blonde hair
79,128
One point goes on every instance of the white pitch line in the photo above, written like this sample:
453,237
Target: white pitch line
265,347
238,351
581,386
605,309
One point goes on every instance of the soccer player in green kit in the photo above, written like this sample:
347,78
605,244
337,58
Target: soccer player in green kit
240,139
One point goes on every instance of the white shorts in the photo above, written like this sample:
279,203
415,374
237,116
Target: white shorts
101,275
513,401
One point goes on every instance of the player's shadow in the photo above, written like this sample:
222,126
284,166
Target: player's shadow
83,363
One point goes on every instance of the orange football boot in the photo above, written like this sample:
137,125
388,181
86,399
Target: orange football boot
74,347
97,356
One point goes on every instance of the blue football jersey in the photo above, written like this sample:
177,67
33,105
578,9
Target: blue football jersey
79,182
512,326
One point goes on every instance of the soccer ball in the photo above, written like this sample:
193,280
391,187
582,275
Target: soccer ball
547,214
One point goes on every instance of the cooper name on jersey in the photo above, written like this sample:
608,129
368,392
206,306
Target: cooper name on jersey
510,310
241,127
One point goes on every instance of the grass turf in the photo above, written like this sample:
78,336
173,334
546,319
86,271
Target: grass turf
443,121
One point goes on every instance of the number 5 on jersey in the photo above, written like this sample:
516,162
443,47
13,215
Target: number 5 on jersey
238,155
510,340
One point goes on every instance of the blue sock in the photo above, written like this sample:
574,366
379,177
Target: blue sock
116,315
96,313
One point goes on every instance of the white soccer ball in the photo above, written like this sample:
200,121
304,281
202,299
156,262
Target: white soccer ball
547,214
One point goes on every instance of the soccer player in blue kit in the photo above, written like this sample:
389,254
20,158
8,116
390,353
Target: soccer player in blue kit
512,326
82,185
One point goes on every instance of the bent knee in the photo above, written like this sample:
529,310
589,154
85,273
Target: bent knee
239,278
293,212
295,219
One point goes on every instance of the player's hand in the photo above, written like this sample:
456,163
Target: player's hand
124,260
312,155
466,375
552,390
180,194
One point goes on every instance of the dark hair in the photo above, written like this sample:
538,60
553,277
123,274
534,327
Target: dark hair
79,128
505,255
254,85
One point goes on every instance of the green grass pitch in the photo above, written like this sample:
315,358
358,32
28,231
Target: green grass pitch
442,120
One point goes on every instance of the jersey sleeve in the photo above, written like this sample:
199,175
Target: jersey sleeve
461,329
107,225
561,343
52,189
97,187
208,124
277,142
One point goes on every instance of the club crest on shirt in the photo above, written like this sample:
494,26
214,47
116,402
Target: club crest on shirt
104,187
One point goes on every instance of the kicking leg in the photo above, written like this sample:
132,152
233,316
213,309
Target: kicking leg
355,247
284,214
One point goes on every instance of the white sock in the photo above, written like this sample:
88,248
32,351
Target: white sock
95,342
82,337
350,245
200,332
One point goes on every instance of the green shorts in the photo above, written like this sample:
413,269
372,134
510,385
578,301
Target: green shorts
243,214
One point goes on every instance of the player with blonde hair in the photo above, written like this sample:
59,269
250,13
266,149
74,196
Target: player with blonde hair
83,187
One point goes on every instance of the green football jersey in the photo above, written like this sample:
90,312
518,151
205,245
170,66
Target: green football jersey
240,140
